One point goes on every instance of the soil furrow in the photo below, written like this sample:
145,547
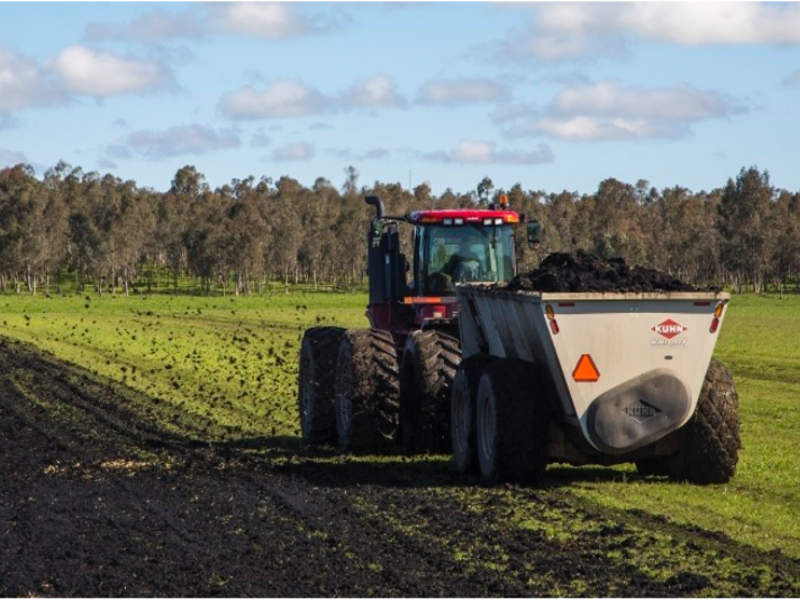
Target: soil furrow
88,508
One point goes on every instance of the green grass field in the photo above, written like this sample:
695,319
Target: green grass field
232,364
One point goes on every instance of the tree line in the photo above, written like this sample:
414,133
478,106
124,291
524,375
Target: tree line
114,236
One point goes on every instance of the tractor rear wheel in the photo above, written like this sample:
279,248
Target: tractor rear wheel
512,422
654,466
709,442
429,366
367,391
316,394
463,408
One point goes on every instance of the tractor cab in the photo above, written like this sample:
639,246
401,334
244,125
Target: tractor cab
450,247
453,246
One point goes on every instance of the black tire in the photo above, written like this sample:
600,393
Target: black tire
710,442
463,408
512,421
655,466
429,366
367,391
316,392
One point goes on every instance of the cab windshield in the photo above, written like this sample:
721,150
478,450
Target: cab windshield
450,255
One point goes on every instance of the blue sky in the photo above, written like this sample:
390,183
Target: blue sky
555,96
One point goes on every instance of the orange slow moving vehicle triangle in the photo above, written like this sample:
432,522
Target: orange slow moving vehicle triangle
585,371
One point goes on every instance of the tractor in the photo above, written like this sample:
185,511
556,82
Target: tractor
365,390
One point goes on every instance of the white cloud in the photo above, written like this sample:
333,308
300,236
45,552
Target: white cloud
265,20
94,73
293,152
186,139
609,98
23,85
576,31
593,128
155,26
714,22
477,152
286,98
609,111
270,20
460,91
11,158
378,91
281,99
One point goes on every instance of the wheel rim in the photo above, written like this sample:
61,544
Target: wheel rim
486,432
344,416
461,419
304,395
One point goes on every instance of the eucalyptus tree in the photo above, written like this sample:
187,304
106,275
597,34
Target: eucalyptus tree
21,215
744,211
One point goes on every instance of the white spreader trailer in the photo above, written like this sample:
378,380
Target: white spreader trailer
593,378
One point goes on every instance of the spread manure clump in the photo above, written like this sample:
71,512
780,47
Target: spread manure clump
585,272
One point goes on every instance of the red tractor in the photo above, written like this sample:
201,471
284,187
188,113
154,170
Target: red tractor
366,389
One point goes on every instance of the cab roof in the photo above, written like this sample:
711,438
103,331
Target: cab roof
468,217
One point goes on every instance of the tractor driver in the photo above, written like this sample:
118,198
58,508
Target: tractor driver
463,265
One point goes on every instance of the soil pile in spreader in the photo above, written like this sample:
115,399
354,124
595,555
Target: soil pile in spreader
584,272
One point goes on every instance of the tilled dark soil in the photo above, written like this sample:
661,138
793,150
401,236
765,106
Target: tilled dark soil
97,500
584,272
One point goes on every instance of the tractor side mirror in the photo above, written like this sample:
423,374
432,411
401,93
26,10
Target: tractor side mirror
534,233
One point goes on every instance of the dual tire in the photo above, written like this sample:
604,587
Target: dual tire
500,420
348,389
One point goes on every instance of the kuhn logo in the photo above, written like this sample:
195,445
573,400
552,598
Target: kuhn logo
669,329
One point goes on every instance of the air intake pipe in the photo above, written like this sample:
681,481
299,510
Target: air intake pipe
377,203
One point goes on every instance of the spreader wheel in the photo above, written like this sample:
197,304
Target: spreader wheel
710,442
512,422
463,408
